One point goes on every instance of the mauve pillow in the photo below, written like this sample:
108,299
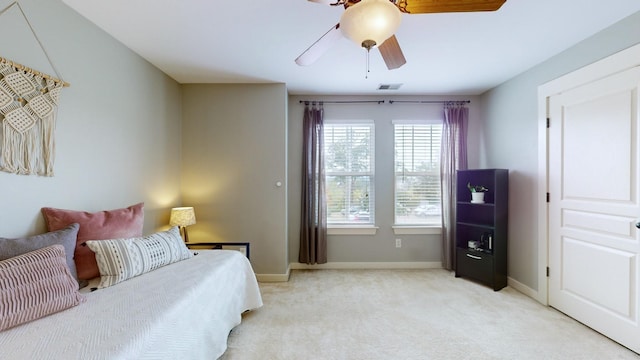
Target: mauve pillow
34,285
66,237
101,225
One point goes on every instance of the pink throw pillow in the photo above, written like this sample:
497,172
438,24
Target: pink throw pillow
101,225
34,285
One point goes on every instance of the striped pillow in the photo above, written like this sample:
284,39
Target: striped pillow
122,259
34,285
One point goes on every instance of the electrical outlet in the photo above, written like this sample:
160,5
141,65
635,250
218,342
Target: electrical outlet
398,243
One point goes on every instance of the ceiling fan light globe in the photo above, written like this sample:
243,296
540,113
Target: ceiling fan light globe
370,20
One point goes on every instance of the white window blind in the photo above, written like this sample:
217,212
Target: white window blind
349,170
417,173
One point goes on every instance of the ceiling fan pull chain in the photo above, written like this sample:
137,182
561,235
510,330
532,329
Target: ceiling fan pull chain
366,74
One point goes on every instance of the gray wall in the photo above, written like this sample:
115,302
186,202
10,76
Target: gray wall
510,137
234,153
118,127
379,247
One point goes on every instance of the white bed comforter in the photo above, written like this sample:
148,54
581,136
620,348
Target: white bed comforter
181,311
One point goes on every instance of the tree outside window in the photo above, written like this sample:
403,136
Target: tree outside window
349,149
417,173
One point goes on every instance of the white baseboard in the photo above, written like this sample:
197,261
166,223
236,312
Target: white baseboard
349,266
368,265
522,288
274,277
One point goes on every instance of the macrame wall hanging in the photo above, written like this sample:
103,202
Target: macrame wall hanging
28,108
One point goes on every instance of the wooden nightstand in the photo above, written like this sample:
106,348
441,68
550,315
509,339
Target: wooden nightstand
243,247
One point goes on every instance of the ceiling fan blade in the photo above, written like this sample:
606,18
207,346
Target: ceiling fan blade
319,47
440,6
391,53
325,2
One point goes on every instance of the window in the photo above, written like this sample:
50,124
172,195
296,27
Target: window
417,173
349,171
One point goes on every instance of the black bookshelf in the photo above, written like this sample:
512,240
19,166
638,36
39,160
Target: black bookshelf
481,228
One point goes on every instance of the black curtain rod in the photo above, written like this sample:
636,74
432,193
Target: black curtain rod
430,101
307,102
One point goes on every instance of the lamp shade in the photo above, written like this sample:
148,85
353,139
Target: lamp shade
370,21
182,216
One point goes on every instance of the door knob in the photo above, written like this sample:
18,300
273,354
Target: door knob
638,225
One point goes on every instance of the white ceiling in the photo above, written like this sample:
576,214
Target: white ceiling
256,41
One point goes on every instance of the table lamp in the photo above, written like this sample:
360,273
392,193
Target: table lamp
183,217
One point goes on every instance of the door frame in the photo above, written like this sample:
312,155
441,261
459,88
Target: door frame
600,69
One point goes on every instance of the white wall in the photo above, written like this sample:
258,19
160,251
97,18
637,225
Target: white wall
118,127
380,247
510,136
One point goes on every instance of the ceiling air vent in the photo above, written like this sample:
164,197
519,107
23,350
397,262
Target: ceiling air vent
389,86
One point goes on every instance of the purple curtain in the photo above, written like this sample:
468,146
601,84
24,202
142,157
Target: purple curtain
453,158
313,224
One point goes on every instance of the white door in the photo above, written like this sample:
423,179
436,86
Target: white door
594,205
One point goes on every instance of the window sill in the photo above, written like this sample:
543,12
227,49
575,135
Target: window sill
417,230
352,230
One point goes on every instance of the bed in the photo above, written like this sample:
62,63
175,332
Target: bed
184,310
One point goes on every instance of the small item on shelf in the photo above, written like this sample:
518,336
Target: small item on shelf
473,244
486,241
477,193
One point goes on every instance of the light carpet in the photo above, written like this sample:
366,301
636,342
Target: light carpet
407,314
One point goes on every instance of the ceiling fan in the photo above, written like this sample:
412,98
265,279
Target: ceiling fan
371,23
